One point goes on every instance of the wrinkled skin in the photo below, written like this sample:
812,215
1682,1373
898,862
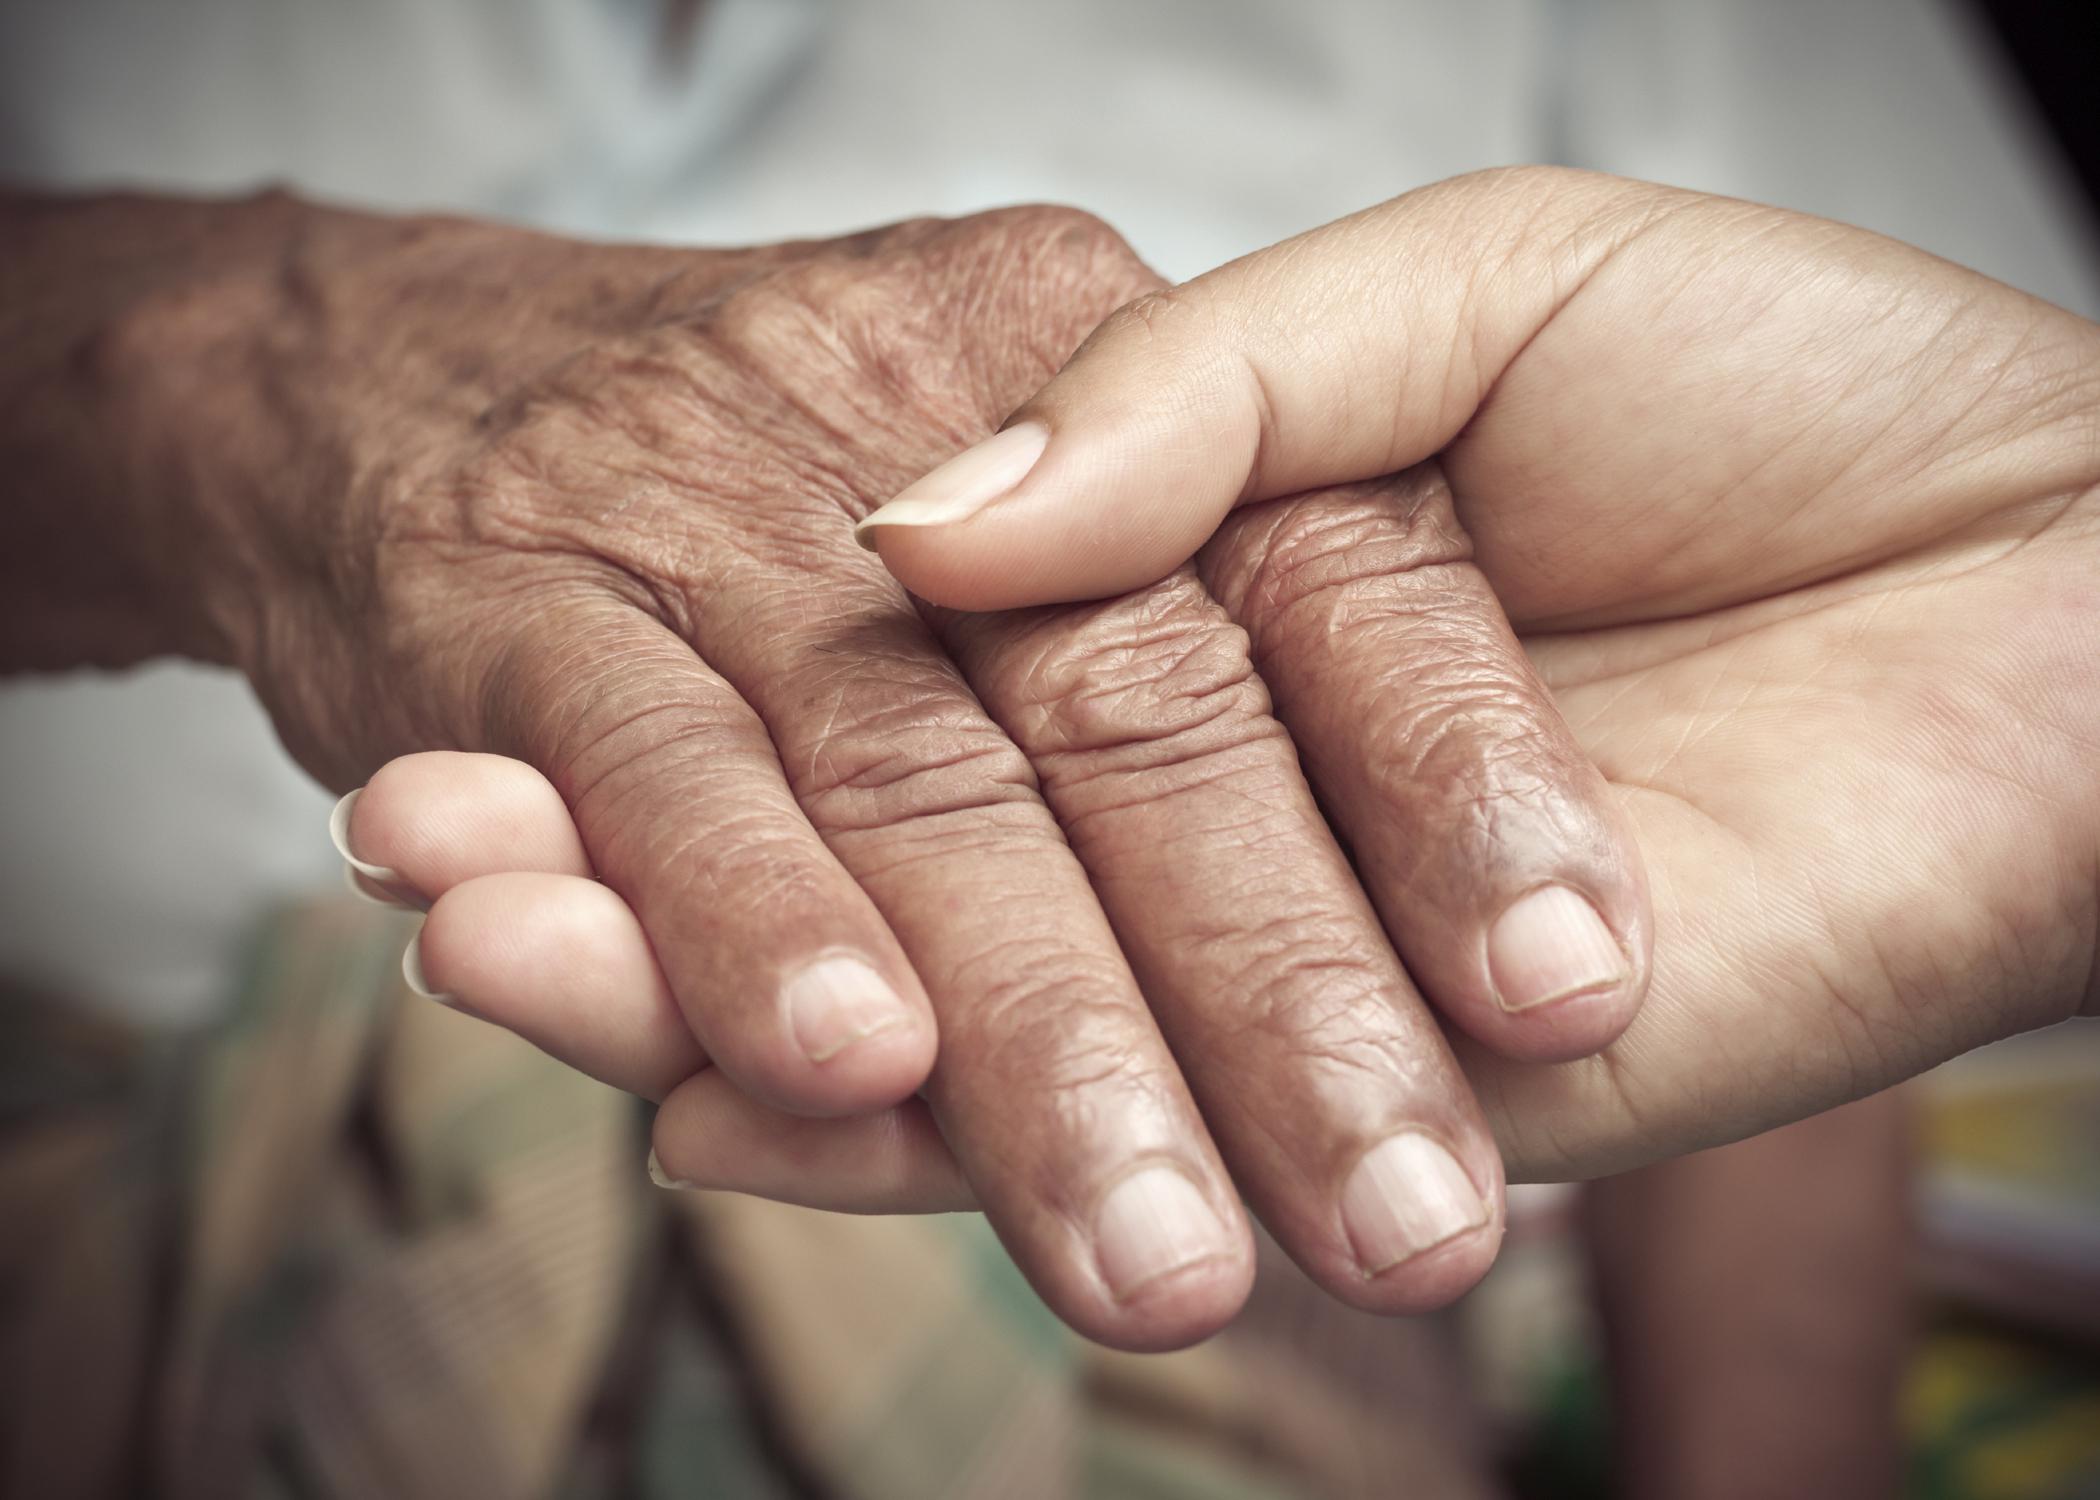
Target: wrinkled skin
591,508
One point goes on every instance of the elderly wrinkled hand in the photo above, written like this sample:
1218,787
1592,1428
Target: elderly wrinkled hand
772,835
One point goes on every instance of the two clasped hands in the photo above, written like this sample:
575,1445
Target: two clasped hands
1578,671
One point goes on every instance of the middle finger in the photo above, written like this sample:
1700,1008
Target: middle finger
1321,1072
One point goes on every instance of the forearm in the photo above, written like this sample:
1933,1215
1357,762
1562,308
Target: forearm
1755,1301
106,305
197,397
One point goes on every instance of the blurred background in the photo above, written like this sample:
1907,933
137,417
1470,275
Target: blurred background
164,868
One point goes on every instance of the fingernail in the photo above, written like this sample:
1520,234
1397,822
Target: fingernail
412,971
1406,1196
962,486
339,833
1153,1223
363,892
836,1002
660,1177
1549,945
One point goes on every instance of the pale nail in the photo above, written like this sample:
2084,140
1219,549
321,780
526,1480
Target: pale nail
660,1177
1549,945
339,832
1406,1196
962,486
412,971
1153,1223
363,892
836,1002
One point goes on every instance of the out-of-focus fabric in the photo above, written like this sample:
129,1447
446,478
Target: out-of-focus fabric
355,1244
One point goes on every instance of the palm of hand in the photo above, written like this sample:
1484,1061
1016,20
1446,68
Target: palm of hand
1822,597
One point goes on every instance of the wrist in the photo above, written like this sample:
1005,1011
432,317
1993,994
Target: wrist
195,395
128,409
313,364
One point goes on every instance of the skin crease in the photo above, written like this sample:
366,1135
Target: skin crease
1802,528
432,483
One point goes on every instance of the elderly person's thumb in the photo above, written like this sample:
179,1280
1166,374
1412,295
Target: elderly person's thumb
1354,350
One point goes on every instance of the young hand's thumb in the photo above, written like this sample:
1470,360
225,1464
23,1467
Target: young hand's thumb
1349,352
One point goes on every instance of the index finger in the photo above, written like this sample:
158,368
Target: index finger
792,980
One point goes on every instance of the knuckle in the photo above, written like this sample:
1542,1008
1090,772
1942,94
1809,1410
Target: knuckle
1157,680
1056,1022
614,771
1308,999
914,774
639,394
1471,757
1303,977
756,854
621,731
1391,543
654,456
1033,283
1067,247
817,390
1084,237
871,359
1448,727
825,306
909,750
766,859
1449,710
